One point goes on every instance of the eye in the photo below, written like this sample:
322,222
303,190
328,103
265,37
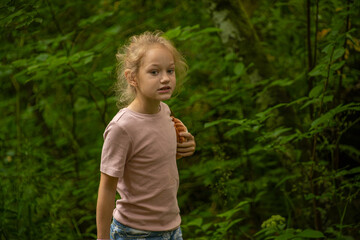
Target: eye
171,71
154,72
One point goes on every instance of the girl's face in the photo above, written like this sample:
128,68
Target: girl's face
156,79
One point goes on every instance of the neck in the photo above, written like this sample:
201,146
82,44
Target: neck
144,107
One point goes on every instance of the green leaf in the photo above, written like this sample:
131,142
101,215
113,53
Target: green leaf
42,57
286,179
239,69
282,82
338,53
316,91
319,70
229,121
286,139
196,222
93,19
337,65
327,99
38,20
232,223
321,120
206,226
309,196
228,214
312,101
285,236
328,48
325,118
237,130
267,113
230,56
209,30
5,21
297,101
20,63
278,132
241,204
309,233
188,32
173,33
350,150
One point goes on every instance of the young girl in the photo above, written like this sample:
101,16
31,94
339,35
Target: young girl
140,146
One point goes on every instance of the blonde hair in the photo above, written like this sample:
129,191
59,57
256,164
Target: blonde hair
130,56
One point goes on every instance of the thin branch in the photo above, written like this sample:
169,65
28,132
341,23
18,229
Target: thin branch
102,115
338,92
308,35
17,114
314,188
57,25
310,58
316,31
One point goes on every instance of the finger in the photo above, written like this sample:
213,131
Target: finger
186,144
181,139
185,154
185,150
186,135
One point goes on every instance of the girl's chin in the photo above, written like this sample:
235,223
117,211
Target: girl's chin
165,96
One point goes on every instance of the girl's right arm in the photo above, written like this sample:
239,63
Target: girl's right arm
105,205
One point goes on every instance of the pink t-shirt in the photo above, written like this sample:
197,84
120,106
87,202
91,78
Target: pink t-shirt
140,149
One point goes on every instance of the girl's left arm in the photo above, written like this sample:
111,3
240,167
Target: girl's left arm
186,148
105,205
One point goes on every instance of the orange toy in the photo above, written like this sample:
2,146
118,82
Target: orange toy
179,127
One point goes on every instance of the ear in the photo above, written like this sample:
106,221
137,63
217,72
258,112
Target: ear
130,78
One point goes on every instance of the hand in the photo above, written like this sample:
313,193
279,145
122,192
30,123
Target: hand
186,148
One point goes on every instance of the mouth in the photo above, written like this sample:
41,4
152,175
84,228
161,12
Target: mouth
164,89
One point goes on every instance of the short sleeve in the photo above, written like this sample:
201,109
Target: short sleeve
116,150
166,108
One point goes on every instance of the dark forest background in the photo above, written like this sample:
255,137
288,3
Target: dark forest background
272,97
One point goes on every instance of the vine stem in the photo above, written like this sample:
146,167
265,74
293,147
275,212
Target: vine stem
327,81
308,18
337,99
57,24
316,30
317,217
314,189
310,58
338,93
17,114
342,219
89,83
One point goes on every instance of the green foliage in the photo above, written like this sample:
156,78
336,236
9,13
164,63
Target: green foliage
277,158
275,228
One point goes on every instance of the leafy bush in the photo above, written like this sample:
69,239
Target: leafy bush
277,156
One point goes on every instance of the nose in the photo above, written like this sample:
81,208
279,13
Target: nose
165,78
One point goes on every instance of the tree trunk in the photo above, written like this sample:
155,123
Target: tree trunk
239,35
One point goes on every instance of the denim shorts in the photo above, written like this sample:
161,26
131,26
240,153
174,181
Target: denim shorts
119,231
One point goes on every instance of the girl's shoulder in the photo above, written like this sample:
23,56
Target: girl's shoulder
123,118
165,108
121,124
